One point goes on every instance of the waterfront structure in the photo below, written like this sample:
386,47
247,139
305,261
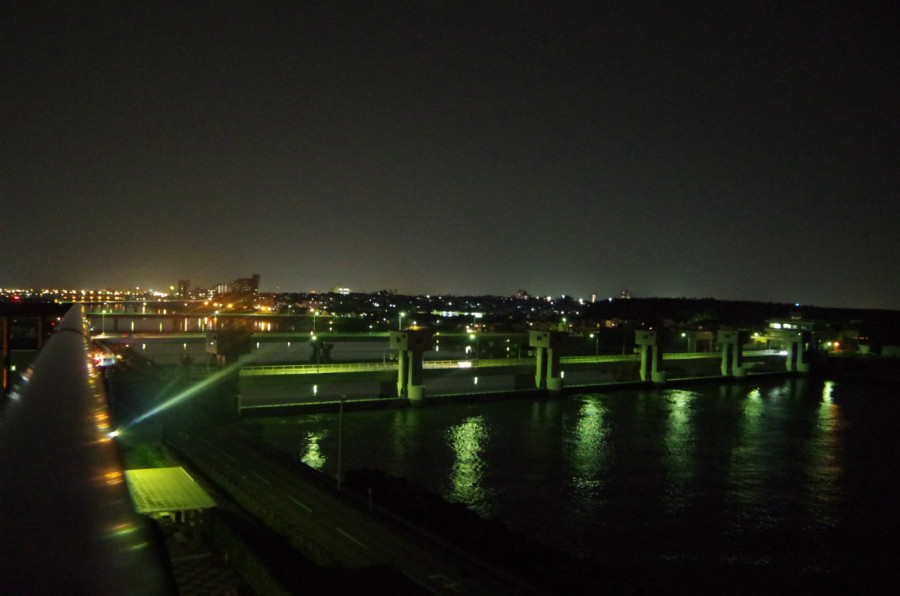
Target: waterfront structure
547,346
732,359
411,344
651,356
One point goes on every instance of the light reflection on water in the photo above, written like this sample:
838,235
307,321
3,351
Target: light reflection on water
826,465
680,453
468,441
759,475
589,448
313,456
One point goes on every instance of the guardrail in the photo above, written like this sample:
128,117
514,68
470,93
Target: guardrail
337,367
67,524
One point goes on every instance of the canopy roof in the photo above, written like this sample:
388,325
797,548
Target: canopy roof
166,489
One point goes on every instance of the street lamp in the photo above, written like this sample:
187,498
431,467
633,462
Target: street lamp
596,337
400,321
475,337
340,440
316,348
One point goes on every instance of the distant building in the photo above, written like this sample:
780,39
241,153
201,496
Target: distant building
246,286
265,301
342,291
184,288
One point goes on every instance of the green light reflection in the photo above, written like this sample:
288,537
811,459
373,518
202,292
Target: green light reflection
590,453
313,456
467,440
680,447
747,468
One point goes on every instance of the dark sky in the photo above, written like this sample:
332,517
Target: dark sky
735,150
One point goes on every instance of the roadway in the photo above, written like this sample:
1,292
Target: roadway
326,528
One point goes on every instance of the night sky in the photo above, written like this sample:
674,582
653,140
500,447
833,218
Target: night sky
733,150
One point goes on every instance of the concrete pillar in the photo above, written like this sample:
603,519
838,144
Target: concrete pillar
796,353
732,356
737,360
802,362
416,394
547,346
651,356
411,345
657,375
645,353
415,387
402,374
554,374
540,368
723,367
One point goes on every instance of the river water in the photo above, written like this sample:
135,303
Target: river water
791,480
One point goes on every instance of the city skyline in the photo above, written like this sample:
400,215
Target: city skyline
690,150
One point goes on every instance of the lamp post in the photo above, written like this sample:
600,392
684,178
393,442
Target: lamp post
313,341
596,337
400,321
340,441
475,337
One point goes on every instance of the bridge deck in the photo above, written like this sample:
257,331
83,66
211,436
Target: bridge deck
482,364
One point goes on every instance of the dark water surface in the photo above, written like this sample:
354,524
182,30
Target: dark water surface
792,480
